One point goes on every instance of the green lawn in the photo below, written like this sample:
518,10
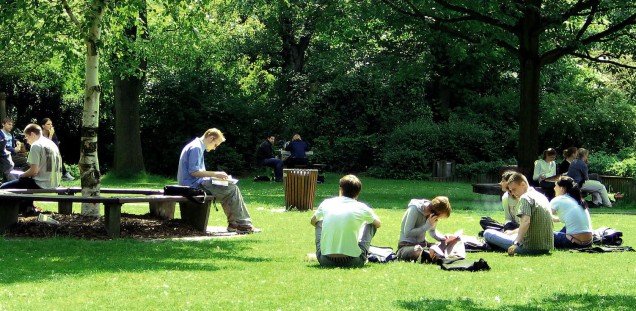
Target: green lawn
266,271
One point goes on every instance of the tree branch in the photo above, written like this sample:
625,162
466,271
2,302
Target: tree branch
588,21
71,15
602,61
476,16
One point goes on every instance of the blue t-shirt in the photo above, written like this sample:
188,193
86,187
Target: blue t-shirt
192,159
574,216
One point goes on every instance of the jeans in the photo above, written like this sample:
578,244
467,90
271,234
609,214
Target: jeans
347,261
561,240
599,193
504,241
277,164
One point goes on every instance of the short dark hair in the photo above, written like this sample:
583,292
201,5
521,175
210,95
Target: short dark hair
350,186
32,128
5,120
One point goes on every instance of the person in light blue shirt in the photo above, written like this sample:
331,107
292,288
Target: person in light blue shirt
192,173
572,211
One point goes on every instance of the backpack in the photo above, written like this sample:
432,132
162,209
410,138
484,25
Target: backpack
464,265
607,236
381,254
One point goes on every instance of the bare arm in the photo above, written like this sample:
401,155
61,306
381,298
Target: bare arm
33,170
218,175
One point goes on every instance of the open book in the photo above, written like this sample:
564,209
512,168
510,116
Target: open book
224,182
454,249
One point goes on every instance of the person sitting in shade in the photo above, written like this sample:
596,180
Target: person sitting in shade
569,155
265,156
535,234
545,172
579,172
298,152
344,227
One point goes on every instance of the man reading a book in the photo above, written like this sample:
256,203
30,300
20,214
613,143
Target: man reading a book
192,173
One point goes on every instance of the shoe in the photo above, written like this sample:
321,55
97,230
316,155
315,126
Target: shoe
32,211
68,177
242,229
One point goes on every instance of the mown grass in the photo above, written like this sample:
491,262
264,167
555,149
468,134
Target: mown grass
266,271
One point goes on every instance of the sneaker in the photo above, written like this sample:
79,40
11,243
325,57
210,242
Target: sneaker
242,229
68,177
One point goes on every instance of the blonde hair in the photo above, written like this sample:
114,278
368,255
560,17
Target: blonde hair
214,132
296,137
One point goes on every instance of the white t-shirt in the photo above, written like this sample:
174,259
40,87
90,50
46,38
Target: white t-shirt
44,153
576,218
342,220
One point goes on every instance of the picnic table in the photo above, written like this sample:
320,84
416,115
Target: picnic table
195,214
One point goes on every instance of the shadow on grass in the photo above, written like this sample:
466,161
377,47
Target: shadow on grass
556,302
33,260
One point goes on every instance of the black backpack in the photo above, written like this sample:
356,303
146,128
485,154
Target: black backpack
607,236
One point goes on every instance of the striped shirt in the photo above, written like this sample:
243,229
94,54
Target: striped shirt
539,236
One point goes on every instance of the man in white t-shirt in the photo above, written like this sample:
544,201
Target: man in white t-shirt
344,227
45,166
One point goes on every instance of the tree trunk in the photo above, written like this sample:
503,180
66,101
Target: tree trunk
127,91
3,105
88,163
529,76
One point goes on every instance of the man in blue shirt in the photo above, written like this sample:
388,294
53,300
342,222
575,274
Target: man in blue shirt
192,173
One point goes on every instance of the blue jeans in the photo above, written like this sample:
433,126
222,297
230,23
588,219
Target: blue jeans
504,241
561,240
277,164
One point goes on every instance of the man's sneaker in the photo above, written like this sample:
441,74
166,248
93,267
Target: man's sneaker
68,177
242,229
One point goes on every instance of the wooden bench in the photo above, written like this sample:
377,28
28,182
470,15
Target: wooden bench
192,213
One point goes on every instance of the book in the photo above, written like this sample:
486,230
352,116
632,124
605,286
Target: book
224,182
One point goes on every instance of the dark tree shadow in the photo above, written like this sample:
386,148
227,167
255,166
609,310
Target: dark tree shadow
556,302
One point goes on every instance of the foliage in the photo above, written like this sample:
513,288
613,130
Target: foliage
622,163
410,150
346,154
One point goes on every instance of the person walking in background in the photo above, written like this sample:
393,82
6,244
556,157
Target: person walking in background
49,132
579,172
297,149
265,156
344,227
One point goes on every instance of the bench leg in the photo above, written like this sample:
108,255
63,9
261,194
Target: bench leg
65,208
112,218
164,210
8,214
195,214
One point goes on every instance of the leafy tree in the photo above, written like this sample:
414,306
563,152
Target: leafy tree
537,33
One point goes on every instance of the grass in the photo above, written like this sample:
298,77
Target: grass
266,271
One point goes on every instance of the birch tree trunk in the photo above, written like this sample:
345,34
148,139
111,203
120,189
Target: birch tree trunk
88,163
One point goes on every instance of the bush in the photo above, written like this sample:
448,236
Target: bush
471,170
345,154
412,148
621,164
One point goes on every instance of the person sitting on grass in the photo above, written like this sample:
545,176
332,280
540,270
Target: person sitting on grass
338,222
572,211
420,217
534,235
510,206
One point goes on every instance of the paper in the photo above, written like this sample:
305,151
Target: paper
224,182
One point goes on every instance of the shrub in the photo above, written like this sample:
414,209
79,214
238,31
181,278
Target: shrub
345,154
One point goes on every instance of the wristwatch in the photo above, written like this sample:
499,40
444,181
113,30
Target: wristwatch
516,243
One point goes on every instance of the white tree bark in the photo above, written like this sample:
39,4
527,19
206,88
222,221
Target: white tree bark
89,163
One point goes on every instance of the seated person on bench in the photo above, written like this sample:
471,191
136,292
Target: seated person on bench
192,173
579,172
265,156
45,166
297,149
